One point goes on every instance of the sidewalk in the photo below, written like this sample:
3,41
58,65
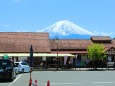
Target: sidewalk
76,69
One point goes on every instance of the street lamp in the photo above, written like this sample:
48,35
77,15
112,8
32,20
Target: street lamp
57,58
57,55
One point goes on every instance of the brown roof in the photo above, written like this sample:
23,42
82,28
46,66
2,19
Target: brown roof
21,42
109,45
113,41
70,52
70,44
77,46
101,38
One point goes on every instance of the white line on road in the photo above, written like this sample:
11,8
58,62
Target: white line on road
79,83
15,80
103,82
63,83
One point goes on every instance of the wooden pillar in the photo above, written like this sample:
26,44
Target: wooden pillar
16,59
13,58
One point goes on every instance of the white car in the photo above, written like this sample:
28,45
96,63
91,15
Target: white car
22,66
16,68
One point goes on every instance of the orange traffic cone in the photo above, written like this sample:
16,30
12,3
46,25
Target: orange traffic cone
36,83
48,83
30,82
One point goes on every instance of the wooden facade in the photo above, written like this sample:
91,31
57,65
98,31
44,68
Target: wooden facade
20,42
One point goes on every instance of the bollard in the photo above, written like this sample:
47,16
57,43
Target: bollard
48,83
36,83
30,82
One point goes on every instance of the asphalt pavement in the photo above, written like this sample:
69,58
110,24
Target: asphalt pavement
65,78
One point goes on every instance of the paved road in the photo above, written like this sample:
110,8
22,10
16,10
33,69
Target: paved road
66,78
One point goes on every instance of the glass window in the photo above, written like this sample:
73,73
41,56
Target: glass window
16,64
24,63
5,63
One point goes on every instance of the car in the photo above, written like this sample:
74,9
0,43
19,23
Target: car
7,70
16,68
22,67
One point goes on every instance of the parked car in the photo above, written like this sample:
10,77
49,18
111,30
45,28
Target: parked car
7,70
22,66
16,68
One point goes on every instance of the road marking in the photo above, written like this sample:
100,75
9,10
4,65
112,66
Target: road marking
103,82
79,83
15,80
63,83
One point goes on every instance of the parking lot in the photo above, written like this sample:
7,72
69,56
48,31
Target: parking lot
64,78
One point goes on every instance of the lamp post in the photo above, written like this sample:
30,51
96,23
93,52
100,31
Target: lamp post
57,55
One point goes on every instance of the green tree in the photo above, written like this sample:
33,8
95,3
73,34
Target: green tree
96,53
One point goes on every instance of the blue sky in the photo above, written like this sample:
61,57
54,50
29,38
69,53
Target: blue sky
33,15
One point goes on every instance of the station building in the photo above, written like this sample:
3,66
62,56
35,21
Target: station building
17,46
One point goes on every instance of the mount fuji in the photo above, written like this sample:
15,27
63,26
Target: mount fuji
67,30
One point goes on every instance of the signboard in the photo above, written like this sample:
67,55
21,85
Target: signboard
5,56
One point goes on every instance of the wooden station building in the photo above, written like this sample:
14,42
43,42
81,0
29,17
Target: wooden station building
17,46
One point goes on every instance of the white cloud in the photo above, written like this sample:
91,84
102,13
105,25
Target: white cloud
4,25
17,1
104,34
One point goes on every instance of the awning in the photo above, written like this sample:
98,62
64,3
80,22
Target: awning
35,55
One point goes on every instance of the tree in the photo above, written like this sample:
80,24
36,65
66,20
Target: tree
96,53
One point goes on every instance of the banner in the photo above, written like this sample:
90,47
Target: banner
65,59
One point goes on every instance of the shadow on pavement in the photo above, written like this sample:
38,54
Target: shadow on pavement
5,80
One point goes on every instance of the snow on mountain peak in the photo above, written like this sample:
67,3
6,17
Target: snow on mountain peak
65,28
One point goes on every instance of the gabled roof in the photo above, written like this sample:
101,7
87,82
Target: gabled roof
111,48
109,45
101,39
21,42
70,44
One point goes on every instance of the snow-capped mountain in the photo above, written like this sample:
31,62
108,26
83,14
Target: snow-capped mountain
66,29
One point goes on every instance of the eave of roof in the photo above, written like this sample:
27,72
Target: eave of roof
101,38
34,54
